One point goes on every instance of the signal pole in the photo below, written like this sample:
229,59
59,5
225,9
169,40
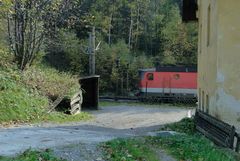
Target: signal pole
91,51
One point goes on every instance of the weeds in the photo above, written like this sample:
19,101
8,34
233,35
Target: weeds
31,155
128,150
192,147
50,82
186,125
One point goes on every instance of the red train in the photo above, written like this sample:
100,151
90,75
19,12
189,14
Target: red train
168,83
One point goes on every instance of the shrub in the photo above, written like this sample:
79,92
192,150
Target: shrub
50,82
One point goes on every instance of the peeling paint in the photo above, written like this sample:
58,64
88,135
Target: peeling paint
228,108
220,77
228,100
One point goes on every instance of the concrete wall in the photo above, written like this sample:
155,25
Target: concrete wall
219,59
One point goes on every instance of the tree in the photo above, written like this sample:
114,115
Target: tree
26,28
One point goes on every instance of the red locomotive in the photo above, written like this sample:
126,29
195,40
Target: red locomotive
169,83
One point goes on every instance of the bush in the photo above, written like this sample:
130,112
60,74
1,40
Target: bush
49,82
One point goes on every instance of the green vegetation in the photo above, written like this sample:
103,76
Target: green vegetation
187,146
192,147
59,117
21,104
25,96
31,155
186,126
50,82
133,34
129,150
43,44
17,103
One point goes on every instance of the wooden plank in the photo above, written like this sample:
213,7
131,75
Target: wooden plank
75,100
75,103
216,130
75,108
210,136
55,103
225,127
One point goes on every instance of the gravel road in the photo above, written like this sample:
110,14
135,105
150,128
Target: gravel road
78,141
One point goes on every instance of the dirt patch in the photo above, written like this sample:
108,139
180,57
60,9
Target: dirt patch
76,141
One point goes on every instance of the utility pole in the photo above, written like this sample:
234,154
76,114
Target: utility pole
91,51
127,86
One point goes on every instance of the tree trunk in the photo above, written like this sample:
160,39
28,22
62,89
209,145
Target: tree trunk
130,34
137,30
109,30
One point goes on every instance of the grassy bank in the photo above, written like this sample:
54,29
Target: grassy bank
188,146
25,95
21,104
30,155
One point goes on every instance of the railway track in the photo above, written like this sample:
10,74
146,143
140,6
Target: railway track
149,99
119,98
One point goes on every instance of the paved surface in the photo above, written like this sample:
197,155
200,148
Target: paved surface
78,141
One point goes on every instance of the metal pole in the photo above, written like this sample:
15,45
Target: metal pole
122,85
127,82
91,52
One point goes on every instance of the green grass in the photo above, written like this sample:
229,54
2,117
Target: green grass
30,155
188,146
192,147
59,117
182,147
128,150
186,125
19,103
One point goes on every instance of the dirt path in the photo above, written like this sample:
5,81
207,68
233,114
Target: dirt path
79,141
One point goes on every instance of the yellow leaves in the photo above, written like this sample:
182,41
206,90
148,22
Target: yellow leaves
5,8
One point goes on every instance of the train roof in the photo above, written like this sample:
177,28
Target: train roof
176,69
171,69
147,70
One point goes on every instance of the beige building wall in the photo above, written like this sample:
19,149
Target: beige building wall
219,59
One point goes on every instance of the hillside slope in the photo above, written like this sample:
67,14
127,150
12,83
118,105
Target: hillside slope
25,96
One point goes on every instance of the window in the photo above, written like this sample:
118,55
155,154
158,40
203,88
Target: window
199,99
209,25
176,76
150,76
203,101
207,103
